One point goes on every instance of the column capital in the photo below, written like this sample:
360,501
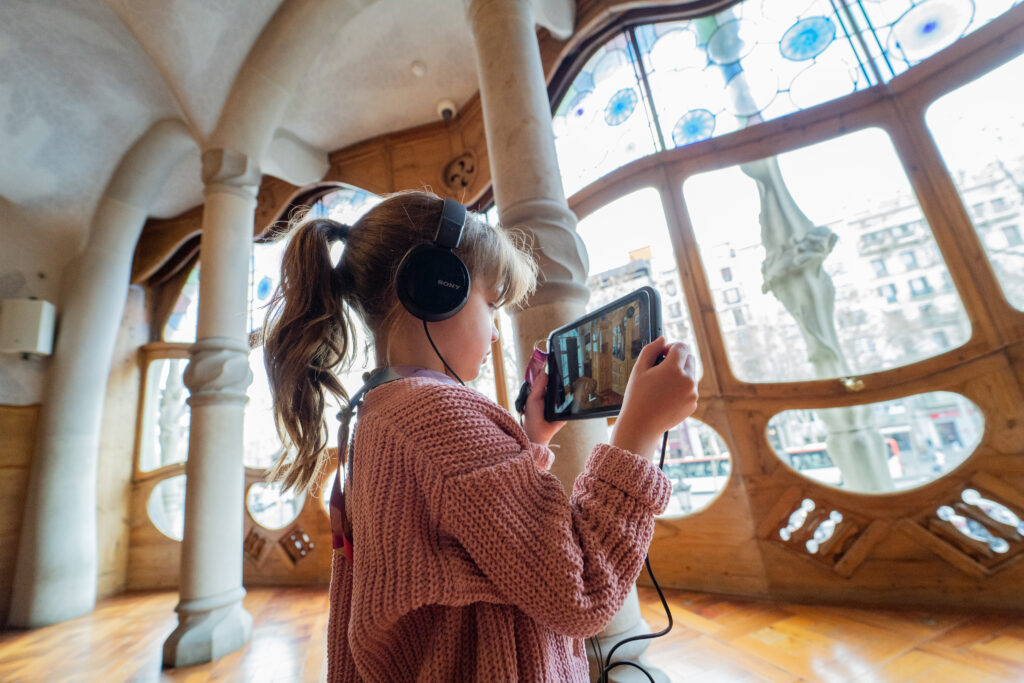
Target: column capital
230,170
218,371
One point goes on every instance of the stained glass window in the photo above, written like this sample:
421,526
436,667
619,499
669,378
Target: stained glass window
901,33
602,121
753,62
747,64
181,325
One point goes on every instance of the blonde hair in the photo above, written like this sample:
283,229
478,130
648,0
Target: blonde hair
308,334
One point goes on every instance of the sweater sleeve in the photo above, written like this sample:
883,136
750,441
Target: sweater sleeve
543,457
568,563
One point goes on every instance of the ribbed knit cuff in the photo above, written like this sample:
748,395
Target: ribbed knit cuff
631,474
543,457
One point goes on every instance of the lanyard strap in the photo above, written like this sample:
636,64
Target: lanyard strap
341,525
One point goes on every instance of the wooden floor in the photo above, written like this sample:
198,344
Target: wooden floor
714,639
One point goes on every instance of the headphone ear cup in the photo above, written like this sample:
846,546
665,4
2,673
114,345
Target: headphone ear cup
432,282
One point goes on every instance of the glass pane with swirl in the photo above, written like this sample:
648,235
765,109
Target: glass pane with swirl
901,33
752,62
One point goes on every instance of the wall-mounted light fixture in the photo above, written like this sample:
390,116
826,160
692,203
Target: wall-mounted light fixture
27,326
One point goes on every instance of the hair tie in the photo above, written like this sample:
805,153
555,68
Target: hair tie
337,232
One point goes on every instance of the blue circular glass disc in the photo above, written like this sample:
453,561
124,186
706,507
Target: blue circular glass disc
693,126
620,107
263,288
928,27
807,38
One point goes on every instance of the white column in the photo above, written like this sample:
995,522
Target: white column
211,618
55,572
528,191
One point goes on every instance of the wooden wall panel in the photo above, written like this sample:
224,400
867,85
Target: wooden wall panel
154,559
17,441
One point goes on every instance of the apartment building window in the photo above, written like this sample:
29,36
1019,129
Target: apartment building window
1012,235
737,316
888,292
879,266
919,286
726,274
732,295
909,259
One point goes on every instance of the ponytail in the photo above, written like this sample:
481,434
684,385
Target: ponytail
309,330
307,334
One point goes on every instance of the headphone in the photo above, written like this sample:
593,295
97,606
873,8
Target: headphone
432,282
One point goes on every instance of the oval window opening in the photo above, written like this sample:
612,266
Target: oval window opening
272,509
698,463
166,507
879,447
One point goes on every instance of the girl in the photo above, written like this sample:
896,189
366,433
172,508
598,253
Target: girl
469,563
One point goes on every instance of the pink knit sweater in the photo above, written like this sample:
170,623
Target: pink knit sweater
470,564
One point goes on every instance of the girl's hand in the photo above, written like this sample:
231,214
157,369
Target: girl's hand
658,397
537,428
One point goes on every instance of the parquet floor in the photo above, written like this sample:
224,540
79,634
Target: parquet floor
714,639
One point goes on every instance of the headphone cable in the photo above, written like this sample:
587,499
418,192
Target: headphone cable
606,663
447,367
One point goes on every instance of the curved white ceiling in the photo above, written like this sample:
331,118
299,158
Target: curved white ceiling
81,80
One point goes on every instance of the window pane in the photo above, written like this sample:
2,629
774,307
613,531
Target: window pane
879,447
750,63
698,463
261,445
346,205
264,276
165,418
602,122
270,508
844,203
628,247
181,325
980,133
166,507
901,33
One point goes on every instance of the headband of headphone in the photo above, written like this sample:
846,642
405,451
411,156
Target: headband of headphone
431,281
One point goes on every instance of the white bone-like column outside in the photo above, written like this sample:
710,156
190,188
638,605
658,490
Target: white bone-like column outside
55,573
211,618
529,195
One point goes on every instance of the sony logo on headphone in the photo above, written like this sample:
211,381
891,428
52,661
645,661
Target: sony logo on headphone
445,283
